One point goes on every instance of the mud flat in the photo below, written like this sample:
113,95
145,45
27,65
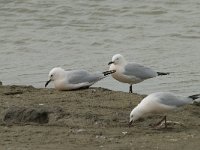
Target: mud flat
93,118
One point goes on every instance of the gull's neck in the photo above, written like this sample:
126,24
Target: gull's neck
138,112
123,62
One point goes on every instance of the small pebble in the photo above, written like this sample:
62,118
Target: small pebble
80,130
101,146
124,133
93,90
100,137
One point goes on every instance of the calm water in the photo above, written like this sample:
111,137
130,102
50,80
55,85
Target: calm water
37,35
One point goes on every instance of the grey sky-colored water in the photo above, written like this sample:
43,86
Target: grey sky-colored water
37,35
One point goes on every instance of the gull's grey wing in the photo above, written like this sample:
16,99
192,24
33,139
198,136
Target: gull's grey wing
172,100
139,71
81,76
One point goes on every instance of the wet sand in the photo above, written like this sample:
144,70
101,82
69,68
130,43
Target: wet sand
93,118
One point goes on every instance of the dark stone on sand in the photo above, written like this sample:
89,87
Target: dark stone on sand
13,92
17,90
25,115
1,83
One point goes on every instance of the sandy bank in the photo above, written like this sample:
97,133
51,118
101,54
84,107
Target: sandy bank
94,118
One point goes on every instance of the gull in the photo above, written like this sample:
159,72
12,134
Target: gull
160,102
130,72
74,79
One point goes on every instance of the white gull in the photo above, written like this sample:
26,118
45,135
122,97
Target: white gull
74,79
130,72
160,102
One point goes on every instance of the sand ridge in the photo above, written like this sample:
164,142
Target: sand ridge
93,118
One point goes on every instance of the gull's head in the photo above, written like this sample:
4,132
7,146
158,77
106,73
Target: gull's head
134,115
117,60
55,74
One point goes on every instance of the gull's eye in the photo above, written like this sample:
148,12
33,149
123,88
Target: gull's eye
51,75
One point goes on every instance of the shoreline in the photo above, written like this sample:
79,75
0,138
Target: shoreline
93,118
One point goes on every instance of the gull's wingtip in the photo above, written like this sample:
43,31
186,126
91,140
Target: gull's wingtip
162,73
196,96
105,73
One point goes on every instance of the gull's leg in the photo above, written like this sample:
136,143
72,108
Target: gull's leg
159,123
165,118
130,89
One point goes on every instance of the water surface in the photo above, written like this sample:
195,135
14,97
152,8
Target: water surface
37,35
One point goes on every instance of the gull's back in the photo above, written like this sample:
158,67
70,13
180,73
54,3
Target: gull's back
170,99
82,76
139,71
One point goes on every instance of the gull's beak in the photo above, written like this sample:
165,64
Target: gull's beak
47,82
130,123
110,63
